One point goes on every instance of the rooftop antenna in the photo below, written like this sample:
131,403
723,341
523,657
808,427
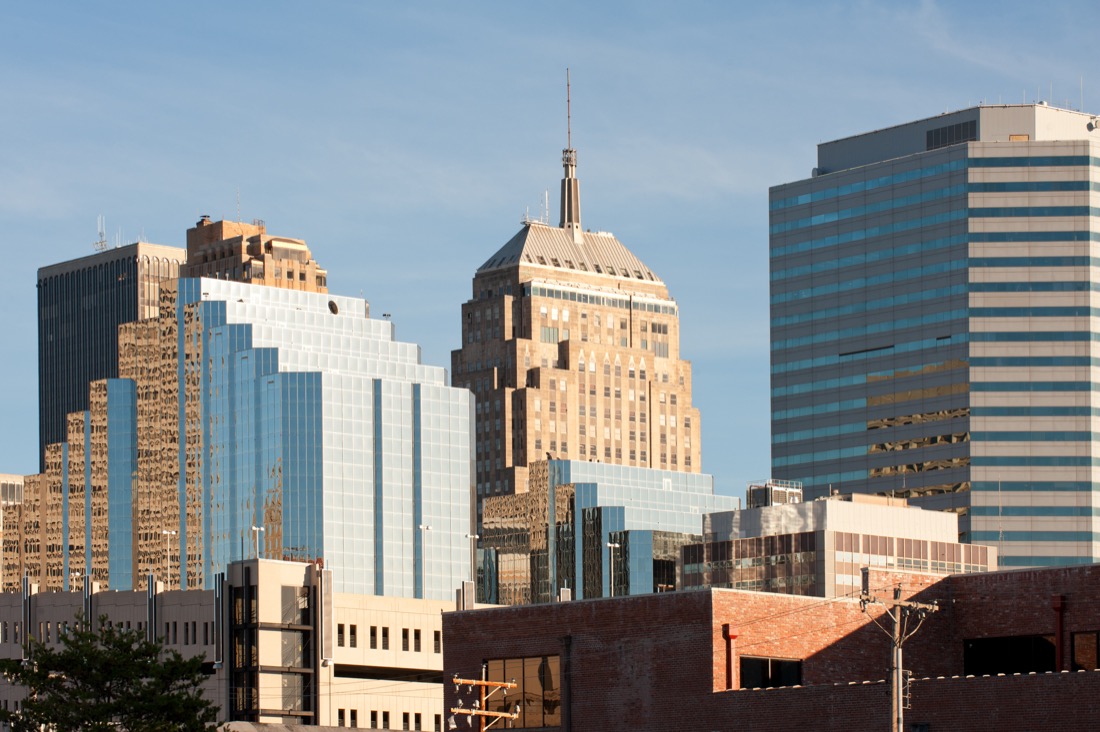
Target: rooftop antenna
568,113
100,244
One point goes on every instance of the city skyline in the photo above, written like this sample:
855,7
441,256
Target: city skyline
406,143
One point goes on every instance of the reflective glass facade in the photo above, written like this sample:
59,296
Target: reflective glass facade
81,303
317,425
556,535
932,325
253,417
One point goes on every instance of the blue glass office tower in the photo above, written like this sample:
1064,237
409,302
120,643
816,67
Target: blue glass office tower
251,418
932,327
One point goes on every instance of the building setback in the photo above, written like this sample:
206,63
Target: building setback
932,328
249,418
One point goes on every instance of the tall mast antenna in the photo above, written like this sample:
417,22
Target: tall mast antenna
568,113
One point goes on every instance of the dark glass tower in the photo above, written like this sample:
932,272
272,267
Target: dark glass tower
81,303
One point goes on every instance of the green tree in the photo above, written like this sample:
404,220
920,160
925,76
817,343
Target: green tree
107,678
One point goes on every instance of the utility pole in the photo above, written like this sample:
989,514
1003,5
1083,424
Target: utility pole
479,707
901,614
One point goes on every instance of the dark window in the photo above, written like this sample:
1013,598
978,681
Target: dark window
354,718
385,647
765,673
340,634
404,720
353,635
404,639
374,636
416,640
437,639
951,135
340,718
385,715
1085,651
1019,654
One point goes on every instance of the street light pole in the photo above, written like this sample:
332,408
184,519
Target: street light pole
424,528
612,546
168,534
473,557
257,530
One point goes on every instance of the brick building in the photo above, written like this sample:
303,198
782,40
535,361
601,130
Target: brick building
1011,650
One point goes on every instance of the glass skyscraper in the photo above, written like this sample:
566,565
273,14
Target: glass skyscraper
252,418
932,331
81,303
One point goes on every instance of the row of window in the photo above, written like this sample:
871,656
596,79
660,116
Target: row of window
860,186
351,638
857,235
892,301
414,721
831,359
869,329
861,283
863,258
870,208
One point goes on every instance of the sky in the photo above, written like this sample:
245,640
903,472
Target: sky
405,141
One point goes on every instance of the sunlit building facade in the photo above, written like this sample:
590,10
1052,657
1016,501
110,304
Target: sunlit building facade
571,345
250,417
933,333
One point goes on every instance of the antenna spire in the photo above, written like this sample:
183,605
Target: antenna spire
570,186
568,113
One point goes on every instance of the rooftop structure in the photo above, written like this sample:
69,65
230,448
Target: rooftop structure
242,252
817,548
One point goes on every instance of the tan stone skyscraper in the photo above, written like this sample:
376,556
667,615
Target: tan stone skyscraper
232,250
572,347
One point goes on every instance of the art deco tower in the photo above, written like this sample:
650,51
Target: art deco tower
571,346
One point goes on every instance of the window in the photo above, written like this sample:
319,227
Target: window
353,720
439,723
416,721
405,640
385,715
340,718
374,720
385,646
437,640
539,681
766,673
353,633
340,634
404,720
1085,651
374,636
416,642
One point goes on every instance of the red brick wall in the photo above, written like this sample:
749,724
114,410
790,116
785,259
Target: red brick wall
658,662
1067,702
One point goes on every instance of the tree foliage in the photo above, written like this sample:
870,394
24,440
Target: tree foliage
107,678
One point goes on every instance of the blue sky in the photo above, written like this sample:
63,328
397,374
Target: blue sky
404,142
